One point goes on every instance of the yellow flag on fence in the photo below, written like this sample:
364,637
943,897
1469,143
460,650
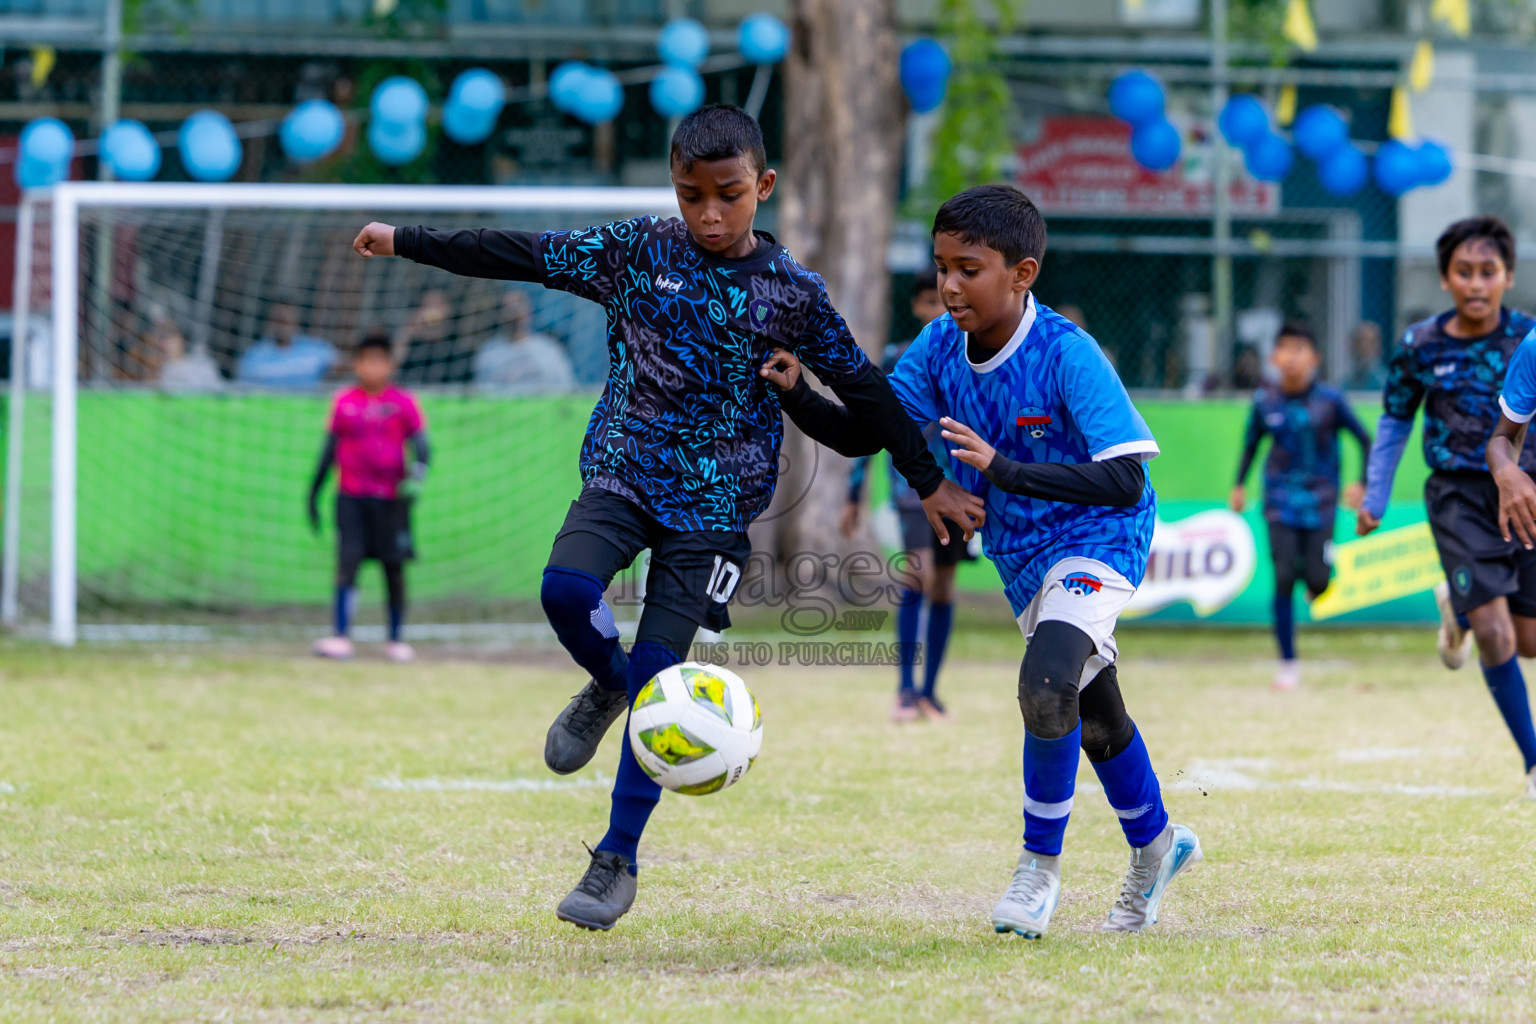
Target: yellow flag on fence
1298,27
1455,14
1285,106
1421,70
43,59
1380,568
1399,117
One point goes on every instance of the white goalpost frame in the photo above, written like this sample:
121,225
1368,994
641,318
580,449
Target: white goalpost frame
65,201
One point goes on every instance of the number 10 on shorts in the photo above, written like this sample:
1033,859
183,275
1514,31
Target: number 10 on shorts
722,580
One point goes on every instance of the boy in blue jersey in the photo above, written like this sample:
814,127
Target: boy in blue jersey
1454,365
1047,435
1301,478
682,450
930,567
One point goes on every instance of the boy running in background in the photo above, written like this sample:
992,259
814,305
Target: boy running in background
931,566
370,425
1454,365
682,451
1301,478
1048,436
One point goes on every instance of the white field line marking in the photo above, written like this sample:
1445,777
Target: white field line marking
433,784
6,787
1238,774
1398,753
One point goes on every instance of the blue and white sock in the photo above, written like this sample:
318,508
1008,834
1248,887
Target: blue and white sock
1285,626
583,622
1131,787
1050,778
940,618
908,615
341,609
635,794
1507,684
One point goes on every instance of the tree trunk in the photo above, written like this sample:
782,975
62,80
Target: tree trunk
844,127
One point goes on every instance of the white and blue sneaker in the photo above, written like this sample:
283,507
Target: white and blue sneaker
1032,896
1153,867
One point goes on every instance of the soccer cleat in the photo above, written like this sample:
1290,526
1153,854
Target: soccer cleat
1287,674
932,710
604,894
905,709
1530,785
337,648
1032,896
1453,642
574,737
1153,867
399,651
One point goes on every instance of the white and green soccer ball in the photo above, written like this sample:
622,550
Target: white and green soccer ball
695,728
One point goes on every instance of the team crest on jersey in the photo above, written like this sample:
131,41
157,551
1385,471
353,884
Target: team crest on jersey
1081,584
758,313
1034,420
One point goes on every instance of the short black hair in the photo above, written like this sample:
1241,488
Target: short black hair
924,282
376,338
718,132
1490,229
999,217
1297,329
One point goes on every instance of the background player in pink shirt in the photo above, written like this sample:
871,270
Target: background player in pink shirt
369,427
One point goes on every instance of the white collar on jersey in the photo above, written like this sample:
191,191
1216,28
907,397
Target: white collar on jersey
1025,323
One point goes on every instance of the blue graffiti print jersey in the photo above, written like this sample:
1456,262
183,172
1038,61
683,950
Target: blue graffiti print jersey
1049,395
1301,474
1458,381
685,427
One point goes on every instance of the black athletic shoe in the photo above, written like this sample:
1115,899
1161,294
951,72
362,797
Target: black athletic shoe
574,737
604,894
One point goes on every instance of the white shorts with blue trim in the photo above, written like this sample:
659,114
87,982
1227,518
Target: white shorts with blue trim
1085,593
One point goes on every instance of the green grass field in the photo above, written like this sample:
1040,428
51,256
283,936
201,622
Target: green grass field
194,834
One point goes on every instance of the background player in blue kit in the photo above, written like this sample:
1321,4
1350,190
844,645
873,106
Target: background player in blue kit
681,452
1301,478
930,565
1454,365
1048,436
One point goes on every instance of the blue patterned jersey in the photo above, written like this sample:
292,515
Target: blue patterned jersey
1049,395
1301,474
1458,381
902,494
685,427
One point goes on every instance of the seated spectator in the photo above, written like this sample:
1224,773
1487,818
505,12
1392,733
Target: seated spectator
179,369
1367,373
426,351
284,358
518,361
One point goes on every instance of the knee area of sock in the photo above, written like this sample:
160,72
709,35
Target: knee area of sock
569,597
1048,699
1104,739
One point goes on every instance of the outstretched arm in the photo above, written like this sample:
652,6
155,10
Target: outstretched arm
322,470
1113,483
470,252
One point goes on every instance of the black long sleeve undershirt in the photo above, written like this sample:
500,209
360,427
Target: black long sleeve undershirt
1116,483
323,470
473,252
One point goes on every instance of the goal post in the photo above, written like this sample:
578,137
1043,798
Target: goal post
171,498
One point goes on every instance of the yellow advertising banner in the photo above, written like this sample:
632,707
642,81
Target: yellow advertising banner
1380,568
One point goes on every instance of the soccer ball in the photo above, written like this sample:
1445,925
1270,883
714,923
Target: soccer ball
695,728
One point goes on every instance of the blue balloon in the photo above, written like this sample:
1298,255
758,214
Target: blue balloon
1344,171
1269,158
1243,121
39,174
397,144
1319,131
925,71
210,150
683,43
398,100
1156,145
762,38
130,151
565,84
47,140
600,96
312,130
1434,162
1136,97
479,91
1397,167
676,91
465,126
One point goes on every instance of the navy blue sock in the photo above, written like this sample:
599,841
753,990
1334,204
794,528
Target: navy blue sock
341,609
1463,621
1132,790
396,620
1507,685
635,793
1050,777
573,602
940,618
908,614
1285,626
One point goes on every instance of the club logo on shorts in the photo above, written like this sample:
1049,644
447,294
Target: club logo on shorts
759,311
1034,421
1461,579
1081,584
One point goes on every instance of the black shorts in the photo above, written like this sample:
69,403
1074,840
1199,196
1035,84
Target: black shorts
378,528
917,534
1304,555
693,573
1479,563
